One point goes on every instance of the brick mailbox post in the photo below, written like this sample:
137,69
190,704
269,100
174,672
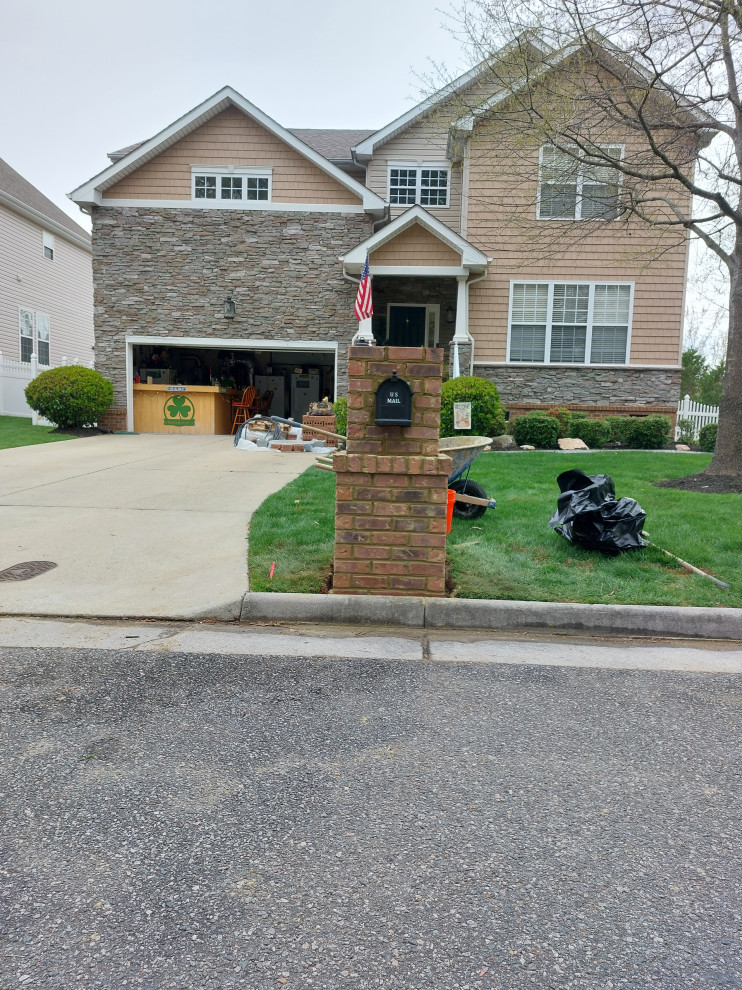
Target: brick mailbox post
390,517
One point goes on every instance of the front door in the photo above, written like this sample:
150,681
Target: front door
407,326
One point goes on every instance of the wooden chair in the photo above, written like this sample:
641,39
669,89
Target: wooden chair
263,405
245,407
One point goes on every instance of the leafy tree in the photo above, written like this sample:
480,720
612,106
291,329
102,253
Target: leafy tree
694,367
663,75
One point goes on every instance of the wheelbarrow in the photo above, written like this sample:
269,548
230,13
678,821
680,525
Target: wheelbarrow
471,499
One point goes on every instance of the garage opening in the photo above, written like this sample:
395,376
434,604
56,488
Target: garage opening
211,376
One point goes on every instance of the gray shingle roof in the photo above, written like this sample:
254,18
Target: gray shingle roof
13,184
332,144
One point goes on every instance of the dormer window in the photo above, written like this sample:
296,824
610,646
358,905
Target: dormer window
219,184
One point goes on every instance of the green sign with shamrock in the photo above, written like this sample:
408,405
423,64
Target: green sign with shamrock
179,411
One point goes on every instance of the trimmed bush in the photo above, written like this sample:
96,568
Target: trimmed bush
618,428
561,415
648,432
70,397
537,429
707,436
340,408
487,416
594,432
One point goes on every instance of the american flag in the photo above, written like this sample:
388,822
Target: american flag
364,305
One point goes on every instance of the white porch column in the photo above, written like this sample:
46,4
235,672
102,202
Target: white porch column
364,334
461,332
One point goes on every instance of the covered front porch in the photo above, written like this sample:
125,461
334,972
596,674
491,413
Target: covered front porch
421,271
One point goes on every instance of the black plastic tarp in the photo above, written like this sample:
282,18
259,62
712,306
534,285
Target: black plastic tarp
589,514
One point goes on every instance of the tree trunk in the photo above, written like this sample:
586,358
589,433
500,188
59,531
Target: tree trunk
727,459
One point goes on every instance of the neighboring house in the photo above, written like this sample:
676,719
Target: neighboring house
225,204
46,278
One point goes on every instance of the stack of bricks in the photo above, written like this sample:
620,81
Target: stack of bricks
390,521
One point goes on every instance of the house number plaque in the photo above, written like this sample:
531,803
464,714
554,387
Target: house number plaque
394,402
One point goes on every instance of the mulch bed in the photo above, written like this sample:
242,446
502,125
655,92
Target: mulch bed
712,484
81,431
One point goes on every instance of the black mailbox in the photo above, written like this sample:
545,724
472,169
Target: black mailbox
394,402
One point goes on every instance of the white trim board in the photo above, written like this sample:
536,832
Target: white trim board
224,204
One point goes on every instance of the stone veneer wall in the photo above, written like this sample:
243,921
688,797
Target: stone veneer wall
390,517
529,386
166,272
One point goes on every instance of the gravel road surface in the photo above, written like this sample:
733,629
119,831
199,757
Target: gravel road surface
193,821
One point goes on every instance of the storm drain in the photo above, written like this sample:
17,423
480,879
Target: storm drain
27,570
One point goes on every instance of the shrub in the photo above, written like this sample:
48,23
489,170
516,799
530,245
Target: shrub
707,436
70,397
561,415
618,428
648,432
686,430
487,416
594,432
340,408
536,429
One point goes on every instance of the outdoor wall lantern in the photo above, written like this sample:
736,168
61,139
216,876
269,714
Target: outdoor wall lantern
394,402
229,310
450,314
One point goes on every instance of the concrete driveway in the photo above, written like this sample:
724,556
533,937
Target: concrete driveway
141,526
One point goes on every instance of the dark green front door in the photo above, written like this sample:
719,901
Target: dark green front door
407,326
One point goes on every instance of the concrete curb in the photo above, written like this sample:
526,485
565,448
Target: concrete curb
668,621
382,610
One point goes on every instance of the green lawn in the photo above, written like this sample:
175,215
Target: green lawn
16,431
511,553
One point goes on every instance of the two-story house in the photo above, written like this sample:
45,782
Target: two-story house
46,278
228,248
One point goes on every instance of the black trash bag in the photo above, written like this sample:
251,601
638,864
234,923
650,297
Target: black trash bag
589,514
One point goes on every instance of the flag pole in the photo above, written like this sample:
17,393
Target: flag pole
364,309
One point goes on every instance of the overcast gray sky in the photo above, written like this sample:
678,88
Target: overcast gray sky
84,77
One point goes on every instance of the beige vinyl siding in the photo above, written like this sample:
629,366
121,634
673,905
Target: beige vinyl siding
62,289
232,138
416,246
423,143
502,223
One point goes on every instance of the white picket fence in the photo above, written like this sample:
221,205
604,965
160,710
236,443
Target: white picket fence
14,376
700,415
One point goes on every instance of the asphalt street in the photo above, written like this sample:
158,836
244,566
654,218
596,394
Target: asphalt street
210,820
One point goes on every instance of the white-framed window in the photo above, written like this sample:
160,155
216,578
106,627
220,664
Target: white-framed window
47,242
570,322
571,189
42,338
218,184
426,185
26,328
34,326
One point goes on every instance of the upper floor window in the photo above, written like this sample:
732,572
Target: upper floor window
220,183
570,322
572,189
48,245
411,184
